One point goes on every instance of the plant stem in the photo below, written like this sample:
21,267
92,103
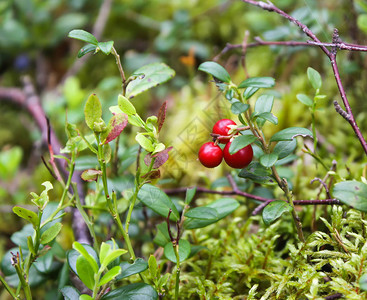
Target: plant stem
121,70
8,288
178,271
23,281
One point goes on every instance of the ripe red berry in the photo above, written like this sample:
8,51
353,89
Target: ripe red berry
210,155
240,159
221,128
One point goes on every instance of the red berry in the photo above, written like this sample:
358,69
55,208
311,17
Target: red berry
240,159
221,128
210,155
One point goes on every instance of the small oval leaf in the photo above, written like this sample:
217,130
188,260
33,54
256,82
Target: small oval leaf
83,35
258,82
305,100
290,133
240,142
352,193
314,77
274,210
92,111
126,106
216,70
26,214
268,160
184,249
51,233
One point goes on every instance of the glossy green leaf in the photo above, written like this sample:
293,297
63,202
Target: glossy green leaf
112,256
239,108
85,297
256,173
70,293
83,35
249,92
144,142
158,201
135,291
352,193
105,47
305,100
162,236
284,148
27,214
314,77
86,49
126,106
290,133
216,70
274,210
265,116
51,233
85,272
264,103
240,142
184,249
80,248
72,256
148,77
204,213
92,111
258,82
110,275
268,160
190,193
127,269
104,250
223,206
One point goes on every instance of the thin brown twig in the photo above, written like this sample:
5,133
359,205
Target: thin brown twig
331,54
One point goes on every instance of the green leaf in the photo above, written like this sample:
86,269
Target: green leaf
83,35
363,282
126,106
135,291
110,275
249,92
184,249
362,22
314,77
105,47
240,142
284,148
105,249
51,233
265,116
203,213
290,133
80,248
268,160
239,108
305,100
223,206
158,201
70,293
153,266
216,70
352,193
86,49
85,272
85,297
30,245
92,111
144,142
274,210
190,193
148,77
127,269
256,173
162,236
112,256
26,214
106,153
264,103
72,256
258,82
91,175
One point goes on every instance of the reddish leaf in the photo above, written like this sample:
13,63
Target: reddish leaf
160,158
116,125
91,175
155,174
162,115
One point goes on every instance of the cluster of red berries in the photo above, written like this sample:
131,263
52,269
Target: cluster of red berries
211,155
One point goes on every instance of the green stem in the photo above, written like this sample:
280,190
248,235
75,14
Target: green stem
313,125
8,288
85,217
178,271
24,283
121,70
